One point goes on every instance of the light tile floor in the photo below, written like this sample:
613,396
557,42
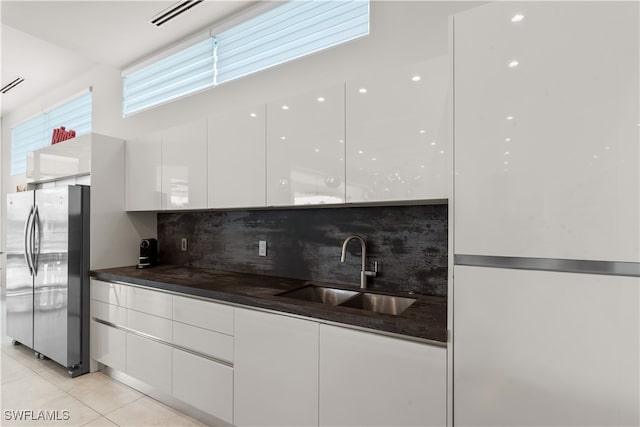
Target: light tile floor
30,384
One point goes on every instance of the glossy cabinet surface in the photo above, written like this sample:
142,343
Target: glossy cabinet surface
275,370
204,314
237,161
154,326
143,167
397,139
109,346
184,166
306,149
149,301
109,313
545,348
146,339
372,380
110,293
547,129
57,161
149,361
204,384
203,341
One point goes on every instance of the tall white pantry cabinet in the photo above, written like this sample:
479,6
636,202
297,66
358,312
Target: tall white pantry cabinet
546,214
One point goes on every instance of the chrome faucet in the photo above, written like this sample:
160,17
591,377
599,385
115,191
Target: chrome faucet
363,273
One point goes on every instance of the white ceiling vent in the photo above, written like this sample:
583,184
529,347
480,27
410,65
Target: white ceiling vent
15,82
173,12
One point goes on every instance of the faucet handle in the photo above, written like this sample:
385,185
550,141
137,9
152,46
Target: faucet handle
373,273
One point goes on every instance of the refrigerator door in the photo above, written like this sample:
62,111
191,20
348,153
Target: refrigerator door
19,278
51,267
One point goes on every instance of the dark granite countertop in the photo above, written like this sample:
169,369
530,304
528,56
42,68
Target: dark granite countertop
424,319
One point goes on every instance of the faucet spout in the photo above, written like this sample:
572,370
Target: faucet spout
363,271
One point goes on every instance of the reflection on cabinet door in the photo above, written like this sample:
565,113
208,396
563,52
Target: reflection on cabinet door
143,164
546,130
306,149
397,140
237,158
184,166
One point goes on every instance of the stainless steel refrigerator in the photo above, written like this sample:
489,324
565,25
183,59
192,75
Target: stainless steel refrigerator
47,271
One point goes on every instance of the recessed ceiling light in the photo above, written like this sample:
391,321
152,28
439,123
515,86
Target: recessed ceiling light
285,107
416,78
253,115
320,99
362,90
517,18
509,117
513,64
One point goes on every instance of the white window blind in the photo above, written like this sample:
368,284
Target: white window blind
292,30
36,132
287,32
176,75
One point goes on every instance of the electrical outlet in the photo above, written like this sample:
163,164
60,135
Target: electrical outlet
183,244
262,248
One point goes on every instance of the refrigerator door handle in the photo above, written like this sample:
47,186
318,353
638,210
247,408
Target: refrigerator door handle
27,241
35,246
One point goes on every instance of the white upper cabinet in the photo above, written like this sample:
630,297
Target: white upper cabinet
397,133
143,160
547,130
167,170
306,149
184,166
237,158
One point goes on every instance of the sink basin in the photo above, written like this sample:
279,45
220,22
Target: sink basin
379,303
323,294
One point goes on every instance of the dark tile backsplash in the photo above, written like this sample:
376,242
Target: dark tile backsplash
409,241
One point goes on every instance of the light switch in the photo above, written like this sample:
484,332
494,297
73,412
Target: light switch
262,248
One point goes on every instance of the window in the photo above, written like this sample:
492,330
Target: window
290,31
37,132
176,75
283,33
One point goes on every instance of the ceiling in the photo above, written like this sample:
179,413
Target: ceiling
50,42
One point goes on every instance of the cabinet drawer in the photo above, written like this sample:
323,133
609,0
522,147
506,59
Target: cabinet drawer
157,327
149,361
108,346
110,293
109,313
203,341
204,314
149,301
204,384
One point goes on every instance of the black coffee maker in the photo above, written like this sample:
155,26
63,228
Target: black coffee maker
148,253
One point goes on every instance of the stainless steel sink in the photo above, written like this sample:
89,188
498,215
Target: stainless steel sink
379,303
323,294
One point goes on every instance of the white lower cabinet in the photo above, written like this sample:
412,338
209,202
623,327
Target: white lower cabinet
108,346
373,380
540,348
203,383
276,370
149,361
